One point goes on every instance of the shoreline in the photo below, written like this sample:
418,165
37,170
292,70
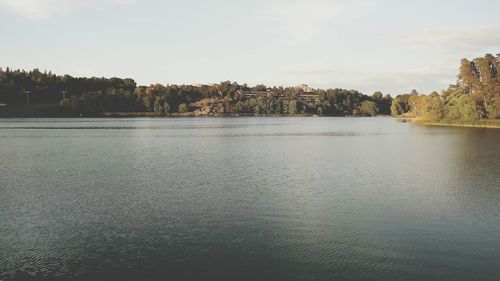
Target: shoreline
487,124
173,116
53,111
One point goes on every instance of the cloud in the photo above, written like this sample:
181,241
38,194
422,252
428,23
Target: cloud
43,9
403,82
314,72
301,20
425,80
33,8
466,38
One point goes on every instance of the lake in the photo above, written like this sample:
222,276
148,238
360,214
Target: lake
247,199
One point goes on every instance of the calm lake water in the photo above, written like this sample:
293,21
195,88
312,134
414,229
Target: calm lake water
247,199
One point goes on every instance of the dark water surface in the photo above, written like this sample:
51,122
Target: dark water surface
247,199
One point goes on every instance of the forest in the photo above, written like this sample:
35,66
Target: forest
474,97
53,95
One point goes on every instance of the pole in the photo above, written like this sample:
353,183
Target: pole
27,96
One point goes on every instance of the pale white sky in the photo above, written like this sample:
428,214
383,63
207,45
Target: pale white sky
389,45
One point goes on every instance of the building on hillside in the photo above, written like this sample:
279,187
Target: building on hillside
304,88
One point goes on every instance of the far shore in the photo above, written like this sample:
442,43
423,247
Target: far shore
54,111
193,114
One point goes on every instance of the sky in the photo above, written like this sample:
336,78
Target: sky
368,45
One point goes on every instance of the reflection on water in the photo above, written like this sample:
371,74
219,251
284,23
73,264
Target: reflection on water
247,199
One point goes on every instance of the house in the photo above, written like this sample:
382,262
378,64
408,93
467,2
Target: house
304,88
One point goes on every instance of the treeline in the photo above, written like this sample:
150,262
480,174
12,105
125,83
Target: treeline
229,98
476,96
94,96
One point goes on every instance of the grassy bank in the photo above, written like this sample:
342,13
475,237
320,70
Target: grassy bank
472,124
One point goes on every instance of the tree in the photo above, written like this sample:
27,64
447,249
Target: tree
286,106
433,108
166,108
157,107
368,108
69,104
378,96
183,108
461,107
260,106
292,107
396,107
238,107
